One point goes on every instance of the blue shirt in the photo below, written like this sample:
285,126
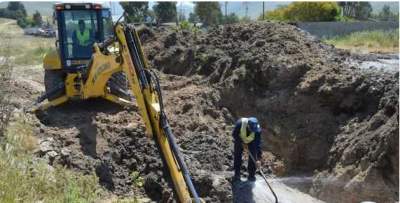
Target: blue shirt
254,145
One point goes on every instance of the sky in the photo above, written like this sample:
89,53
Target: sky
237,7
254,8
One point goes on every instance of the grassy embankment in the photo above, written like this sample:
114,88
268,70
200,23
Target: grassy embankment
371,41
23,176
23,49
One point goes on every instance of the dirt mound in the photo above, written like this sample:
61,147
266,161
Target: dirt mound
308,95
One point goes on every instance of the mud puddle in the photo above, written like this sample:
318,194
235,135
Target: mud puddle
385,65
259,192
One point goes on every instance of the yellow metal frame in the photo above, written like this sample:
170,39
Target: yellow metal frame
100,70
150,110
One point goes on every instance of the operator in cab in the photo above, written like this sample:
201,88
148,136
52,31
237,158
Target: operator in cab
247,133
83,40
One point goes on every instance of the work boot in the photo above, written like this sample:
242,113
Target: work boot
251,178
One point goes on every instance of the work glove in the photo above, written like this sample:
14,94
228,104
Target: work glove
258,164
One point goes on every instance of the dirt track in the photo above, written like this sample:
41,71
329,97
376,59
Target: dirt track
319,111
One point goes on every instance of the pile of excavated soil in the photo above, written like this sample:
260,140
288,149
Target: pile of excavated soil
320,114
102,137
318,109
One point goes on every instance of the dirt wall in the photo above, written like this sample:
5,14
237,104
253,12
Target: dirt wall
315,105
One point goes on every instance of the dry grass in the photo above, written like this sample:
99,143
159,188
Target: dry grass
25,178
370,41
26,50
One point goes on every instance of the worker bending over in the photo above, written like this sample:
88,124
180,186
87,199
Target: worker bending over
247,132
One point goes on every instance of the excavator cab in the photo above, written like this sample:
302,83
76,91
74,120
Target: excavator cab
79,26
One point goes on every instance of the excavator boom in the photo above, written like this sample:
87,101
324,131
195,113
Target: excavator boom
146,89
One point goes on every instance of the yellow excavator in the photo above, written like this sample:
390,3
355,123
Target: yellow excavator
92,57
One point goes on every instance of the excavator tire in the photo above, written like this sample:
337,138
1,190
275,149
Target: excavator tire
52,80
119,85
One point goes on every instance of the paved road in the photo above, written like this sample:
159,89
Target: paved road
258,192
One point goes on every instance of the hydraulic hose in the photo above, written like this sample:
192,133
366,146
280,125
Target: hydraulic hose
171,139
147,78
179,159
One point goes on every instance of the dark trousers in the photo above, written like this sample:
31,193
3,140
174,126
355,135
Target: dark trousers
237,162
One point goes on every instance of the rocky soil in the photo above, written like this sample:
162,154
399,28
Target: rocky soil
321,115
319,109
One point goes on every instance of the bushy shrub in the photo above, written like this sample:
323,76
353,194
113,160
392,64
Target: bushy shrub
25,22
377,40
305,11
231,18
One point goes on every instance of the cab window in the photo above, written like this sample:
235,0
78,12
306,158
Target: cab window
107,23
80,33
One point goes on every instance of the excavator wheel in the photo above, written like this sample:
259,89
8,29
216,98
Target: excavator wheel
119,86
52,80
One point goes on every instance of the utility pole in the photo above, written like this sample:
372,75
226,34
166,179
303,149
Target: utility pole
263,11
247,8
226,10
177,15
181,14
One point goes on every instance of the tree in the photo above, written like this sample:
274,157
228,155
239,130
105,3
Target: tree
386,14
364,10
181,17
357,10
14,10
136,10
165,11
17,6
209,13
231,18
193,18
304,11
37,19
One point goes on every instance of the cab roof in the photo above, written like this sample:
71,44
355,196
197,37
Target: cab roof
77,6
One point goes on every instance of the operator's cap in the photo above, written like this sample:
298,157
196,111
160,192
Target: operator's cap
254,126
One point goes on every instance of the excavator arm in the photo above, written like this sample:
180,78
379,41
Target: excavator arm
146,89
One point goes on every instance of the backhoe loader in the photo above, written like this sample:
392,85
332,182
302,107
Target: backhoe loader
93,54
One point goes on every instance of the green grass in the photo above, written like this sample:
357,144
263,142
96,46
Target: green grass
24,178
25,50
372,41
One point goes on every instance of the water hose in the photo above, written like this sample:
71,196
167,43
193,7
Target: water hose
263,175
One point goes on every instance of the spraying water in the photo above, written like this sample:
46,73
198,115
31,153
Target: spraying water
258,192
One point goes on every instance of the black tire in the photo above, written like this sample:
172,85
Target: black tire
119,85
52,80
